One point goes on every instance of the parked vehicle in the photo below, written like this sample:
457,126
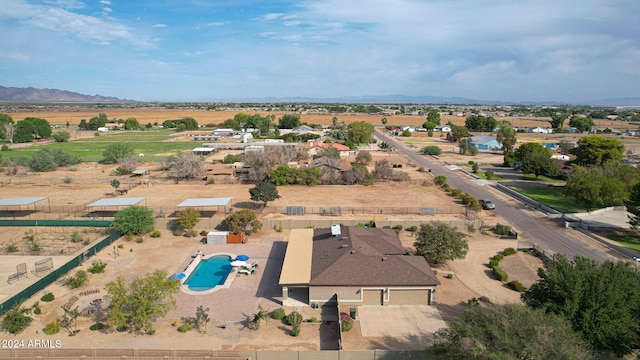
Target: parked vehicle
487,204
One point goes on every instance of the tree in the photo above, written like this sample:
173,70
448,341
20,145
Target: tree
463,145
308,176
536,159
283,175
201,319
131,123
31,128
61,136
557,120
143,301
480,123
134,220
7,127
584,185
509,331
433,116
239,221
597,150
289,121
116,151
602,301
16,319
115,183
506,135
384,121
48,159
68,320
360,132
383,170
187,165
363,157
458,132
581,123
633,206
264,191
188,218
186,123
438,242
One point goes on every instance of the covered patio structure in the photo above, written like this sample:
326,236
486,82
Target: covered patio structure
109,206
21,207
201,203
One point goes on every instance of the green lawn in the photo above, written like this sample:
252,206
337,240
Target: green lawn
552,196
630,241
481,174
541,178
156,145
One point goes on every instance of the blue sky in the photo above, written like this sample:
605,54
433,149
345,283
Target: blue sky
182,50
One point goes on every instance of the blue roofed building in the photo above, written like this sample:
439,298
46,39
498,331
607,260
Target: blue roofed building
485,142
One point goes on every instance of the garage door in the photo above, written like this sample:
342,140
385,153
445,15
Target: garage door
372,297
409,297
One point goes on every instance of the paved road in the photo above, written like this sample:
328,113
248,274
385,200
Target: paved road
550,237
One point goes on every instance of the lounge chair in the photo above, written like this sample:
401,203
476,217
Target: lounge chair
246,271
249,266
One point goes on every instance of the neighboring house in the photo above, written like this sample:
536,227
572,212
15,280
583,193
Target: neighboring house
560,156
539,130
222,174
485,142
302,129
354,266
316,147
223,132
336,164
442,128
408,128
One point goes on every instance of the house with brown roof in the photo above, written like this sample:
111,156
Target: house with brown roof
316,147
354,266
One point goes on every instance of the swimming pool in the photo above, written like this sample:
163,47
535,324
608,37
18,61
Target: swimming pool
209,273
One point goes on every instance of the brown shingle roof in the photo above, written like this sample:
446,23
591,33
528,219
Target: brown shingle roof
366,257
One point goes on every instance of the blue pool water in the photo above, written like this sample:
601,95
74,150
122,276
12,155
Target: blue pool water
209,273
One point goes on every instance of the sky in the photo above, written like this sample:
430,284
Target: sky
217,50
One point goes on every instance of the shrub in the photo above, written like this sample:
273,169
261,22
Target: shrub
432,150
52,328
5,148
294,318
278,314
295,331
184,328
37,310
449,276
96,326
471,162
346,322
97,267
75,237
489,174
67,180
446,187
139,240
502,229
397,227
500,274
412,228
120,246
475,167
203,233
156,234
74,282
440,180
47,297
11,248
517,286
456,192
509,251
493,263
498,257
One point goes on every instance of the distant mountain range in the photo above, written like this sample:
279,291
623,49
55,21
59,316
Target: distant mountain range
55,95
51,95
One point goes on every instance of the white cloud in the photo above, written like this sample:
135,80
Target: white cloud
105,2
159,25
272,16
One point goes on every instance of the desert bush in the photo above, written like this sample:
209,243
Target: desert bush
184,328
52,328
278,314
475,167
440,180
37,310
75,237
489,174
449,276
500,274
48,297
412,228
517,286
498,257
97,267
203,233
295,330
432,150
294,318
456,192
155,234
501,229
509,251
67,180
493,263
77,280
96,326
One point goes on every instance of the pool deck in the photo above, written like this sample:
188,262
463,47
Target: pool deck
233,304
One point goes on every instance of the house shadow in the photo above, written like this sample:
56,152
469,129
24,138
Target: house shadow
268,287
16,213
